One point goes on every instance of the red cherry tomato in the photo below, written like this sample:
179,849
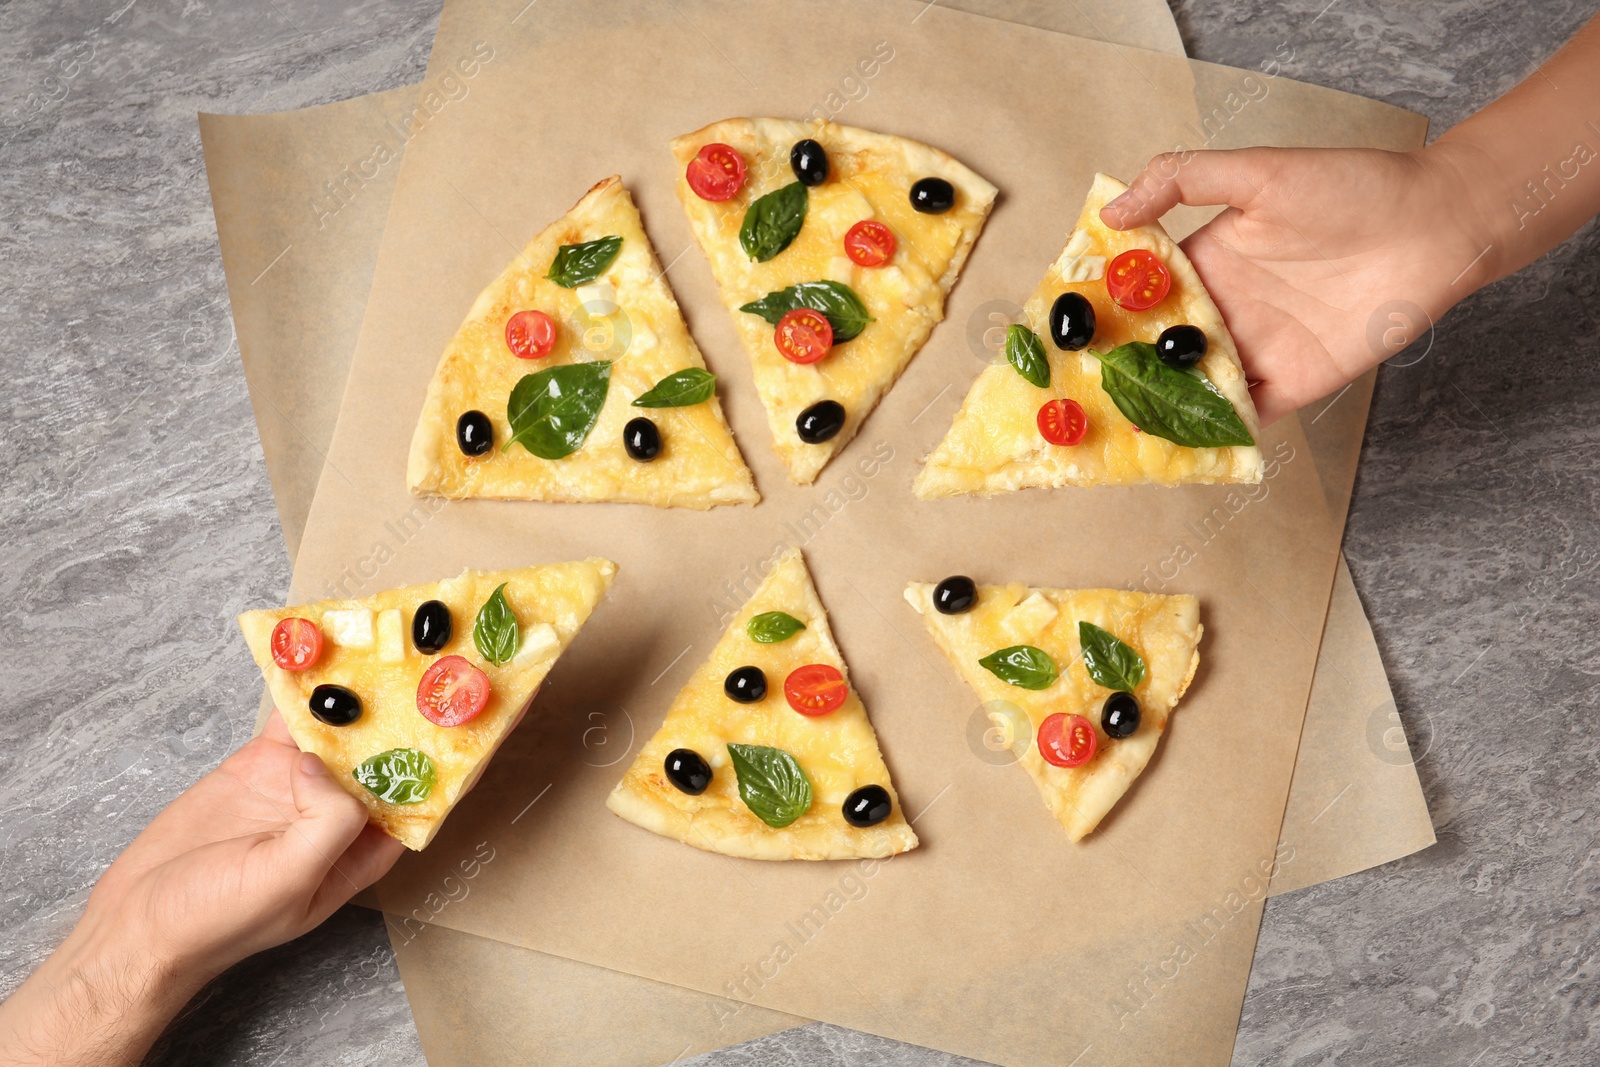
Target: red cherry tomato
716,172
803,335
1138,280
815,689
869,243
296,644
452,692
530,334
1062,422
1067,740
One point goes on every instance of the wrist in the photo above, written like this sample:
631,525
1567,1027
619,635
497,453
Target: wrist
100,998
1467,185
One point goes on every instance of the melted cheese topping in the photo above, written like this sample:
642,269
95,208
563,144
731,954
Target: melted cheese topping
556,598
870,178
838,751
627,315
1165,630
994,445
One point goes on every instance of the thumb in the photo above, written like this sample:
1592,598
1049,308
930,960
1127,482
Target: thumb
328,818
1232,177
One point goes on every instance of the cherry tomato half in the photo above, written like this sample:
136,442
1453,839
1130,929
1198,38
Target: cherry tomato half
803,335
1138,280
296,644
530,334
815,689
716,172
1063,422
1067,740
452,692
869,243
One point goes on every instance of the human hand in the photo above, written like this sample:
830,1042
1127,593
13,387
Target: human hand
254,854
1312,245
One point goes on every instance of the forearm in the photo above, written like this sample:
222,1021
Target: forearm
1530,161
97,1001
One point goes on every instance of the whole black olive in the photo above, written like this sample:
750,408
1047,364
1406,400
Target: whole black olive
642,439
1181,346
954,595
431,626
745,684
1120,716
1071,322
809,162
474,433
820,422
867,806
335,705
933,196
686,770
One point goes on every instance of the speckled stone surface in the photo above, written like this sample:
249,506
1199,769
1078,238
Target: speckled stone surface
137,519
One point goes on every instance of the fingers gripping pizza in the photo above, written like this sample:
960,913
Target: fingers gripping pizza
767,752
574,378
834,248
1083,680
407,694
1121,371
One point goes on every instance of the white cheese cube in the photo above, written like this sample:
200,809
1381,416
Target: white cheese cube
348,627
1028,619
598,298
635,273
539,643
643,339
1076,265
391,640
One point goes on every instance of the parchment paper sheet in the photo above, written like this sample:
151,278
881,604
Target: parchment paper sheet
892,754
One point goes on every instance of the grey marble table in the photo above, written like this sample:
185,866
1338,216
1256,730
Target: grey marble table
137,519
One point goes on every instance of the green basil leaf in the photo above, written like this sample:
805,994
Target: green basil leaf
837,301
1023,666
552,411
579,264
1181,407
1110,662
495,633
770,627
1026,353
681,388
398,776
771,783
773,221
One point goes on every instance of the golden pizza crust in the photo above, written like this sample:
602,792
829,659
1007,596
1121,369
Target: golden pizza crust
1165,630
870,178
551,602
642,330
838,751
994,444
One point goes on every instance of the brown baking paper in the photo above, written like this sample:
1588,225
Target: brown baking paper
892,755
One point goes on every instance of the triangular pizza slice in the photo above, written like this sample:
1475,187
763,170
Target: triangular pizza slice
767,752
574,378
834,248
407,694
1081,681
1121,371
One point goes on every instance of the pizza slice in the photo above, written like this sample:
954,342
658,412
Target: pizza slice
767,752
407,694
574,378
834,248
1121,371
1081,681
